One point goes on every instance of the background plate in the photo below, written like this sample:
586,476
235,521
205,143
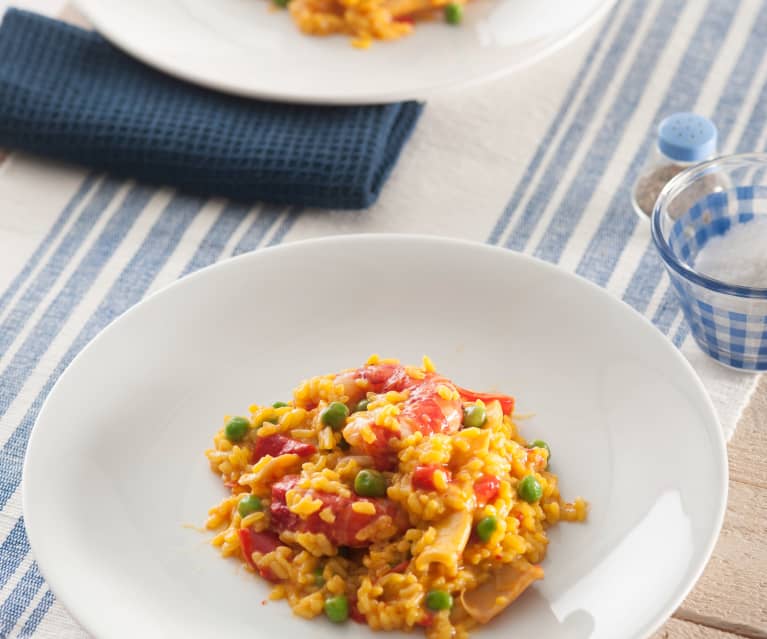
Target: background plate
243,47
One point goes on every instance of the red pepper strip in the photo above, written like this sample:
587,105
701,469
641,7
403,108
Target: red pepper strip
408,19
507,403
267,574
401,566
423,476
276,445
486,488
263,542
355,614
426,621
235,487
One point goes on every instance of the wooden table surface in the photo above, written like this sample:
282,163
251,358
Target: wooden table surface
730,599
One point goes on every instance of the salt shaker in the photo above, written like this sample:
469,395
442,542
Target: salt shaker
684,139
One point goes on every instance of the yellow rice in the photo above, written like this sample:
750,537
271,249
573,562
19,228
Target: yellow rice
364,20
310,568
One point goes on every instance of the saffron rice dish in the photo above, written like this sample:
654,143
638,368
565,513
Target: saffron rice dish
389,496
368,20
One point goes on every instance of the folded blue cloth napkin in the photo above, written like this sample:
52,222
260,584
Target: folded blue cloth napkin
68,94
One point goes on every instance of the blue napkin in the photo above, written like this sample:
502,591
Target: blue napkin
68,94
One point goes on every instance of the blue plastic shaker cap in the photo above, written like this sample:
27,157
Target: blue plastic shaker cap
687,137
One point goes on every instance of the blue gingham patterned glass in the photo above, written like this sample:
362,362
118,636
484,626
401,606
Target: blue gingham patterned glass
729,322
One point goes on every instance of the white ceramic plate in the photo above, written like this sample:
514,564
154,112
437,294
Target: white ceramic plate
243,47
115,471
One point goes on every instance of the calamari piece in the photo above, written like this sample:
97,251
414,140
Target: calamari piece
506,584
452,536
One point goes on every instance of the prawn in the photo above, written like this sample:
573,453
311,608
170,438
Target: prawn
433,405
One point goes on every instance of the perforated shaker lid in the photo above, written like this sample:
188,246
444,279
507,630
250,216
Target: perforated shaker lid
687,137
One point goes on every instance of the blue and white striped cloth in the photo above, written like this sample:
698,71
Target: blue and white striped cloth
540,162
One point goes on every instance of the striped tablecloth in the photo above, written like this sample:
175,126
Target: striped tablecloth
540,162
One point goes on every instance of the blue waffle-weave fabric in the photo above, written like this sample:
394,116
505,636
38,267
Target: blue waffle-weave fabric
68,94
731,329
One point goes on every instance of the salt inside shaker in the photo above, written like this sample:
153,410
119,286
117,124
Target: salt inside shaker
684,139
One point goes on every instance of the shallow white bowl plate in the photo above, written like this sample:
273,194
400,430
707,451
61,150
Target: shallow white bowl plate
115,471
244,47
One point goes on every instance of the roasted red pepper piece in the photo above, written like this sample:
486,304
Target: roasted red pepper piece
267,574
401,566
343,531
507,403
276,445
486,488
423,476
263,542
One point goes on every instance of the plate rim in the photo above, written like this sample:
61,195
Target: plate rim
81,614
127,46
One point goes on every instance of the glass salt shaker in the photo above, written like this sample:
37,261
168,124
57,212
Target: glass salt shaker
684,139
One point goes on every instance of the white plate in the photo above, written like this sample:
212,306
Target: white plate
243,47
115,470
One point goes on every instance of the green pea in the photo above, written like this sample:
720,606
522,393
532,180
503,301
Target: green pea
370,483
453,13
281,3
337,608
319,579
335,415
236,428
361,405
539,443
486,527
439,600
249,504
529,489
474,416
279,405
